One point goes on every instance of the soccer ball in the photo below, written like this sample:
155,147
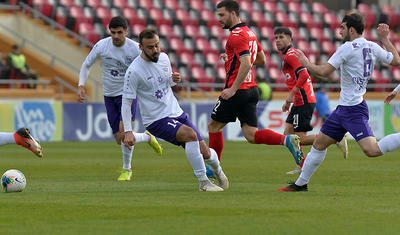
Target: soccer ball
13,181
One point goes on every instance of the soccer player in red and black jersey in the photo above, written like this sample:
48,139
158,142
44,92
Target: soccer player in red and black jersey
301,92
240,95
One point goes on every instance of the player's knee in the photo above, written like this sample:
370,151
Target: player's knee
189,135
372,152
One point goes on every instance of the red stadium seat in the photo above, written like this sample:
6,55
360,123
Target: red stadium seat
197,5
212,58
396,74
309,21
328,47
199,75
67,3
393,16
221,73
44,7
267,32
93,3
104,14
317,34
137,28
246,6
217,31
166,30
87,32
319,7
147,4
294,7
270,6
178,46
132,17
158,17
185,18
304,46
285,20
332,20
277,78
120,4
204,46
186,58
191,31
79,16
209,17
171,4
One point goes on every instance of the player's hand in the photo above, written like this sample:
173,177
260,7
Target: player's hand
226,94
301,57
129,139
176,77
286,106
81,95
390,97
223,57
383,31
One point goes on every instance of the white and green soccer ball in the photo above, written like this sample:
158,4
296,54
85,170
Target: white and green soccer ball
13,181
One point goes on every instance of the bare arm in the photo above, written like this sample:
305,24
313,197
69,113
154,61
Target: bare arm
383,32
260,59
320,69
245,66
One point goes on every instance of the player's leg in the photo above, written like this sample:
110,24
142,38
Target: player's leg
215,136
313,160
22,137
211,158
173,131
113,108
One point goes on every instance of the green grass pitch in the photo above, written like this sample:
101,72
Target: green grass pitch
73,190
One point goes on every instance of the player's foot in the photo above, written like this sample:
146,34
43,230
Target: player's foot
295,171
293,187
154,143
292,142
207,186
209,172
23,137
125,175
223,181
342,145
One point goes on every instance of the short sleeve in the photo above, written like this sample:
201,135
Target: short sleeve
240,45
340,55
381,54
130,84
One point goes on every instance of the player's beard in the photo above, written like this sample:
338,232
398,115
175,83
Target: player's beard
347,37
153,58
228,24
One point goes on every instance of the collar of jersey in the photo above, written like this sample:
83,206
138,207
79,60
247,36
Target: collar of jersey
238,25
290,46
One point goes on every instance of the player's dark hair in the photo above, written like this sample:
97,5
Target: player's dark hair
283,30
147,33
230,6
118,21
355,20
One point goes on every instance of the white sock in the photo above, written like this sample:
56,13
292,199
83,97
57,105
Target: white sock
141,137
126,156
6,138
213,162
313,160
389,143
192,150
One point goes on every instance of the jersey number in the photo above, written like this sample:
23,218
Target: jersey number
253,55
367,62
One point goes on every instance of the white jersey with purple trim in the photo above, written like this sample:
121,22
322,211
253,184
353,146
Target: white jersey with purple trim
150,83
356,60
114,62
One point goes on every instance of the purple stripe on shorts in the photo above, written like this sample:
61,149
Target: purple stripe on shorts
113,108
352,119
167,127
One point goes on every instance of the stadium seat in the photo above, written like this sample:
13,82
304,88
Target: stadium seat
328,47
304,46
294,6
200,76
184,17
369,16
120,4
285,20
87,32
165,30
212,58
396,74
104,14
316,33
171,4
79,16
259,20
67,3
133,18
178,46
209,17
331,20
204,46
393,16
93,3
270,7
308,20
107,3
137,28
158,17
197,5
186,58
44,7
147,4
319,7
267,32
221,73
277,78
217,31
204,31
191,31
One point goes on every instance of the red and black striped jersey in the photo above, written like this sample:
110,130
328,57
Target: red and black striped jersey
242,41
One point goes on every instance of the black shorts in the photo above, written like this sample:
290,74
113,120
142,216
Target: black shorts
242,106
300,117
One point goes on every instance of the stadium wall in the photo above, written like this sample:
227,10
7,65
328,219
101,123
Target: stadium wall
56,121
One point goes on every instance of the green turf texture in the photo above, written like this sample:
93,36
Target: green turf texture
73,190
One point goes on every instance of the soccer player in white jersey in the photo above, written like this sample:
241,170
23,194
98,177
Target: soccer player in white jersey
116,54
22,137
356,59
149,79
